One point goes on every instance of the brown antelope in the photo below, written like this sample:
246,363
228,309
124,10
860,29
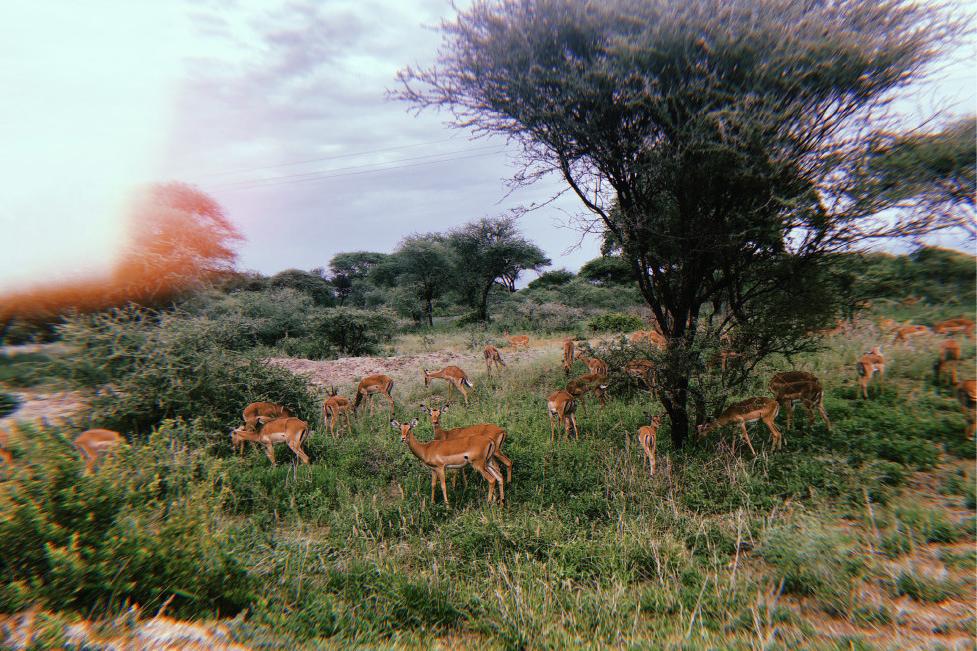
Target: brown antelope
335,406
562,408
749,411
257,412
480,429
94,443
888,326
868,365
517,341
479,451
651,337
911,300
492,358
595,365
791,386
967,395
905,333
648,438
953,326
288,430
590,383
454,376
642,370
371,385
569,351
946,363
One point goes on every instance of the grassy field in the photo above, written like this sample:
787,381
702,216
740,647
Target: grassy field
858,537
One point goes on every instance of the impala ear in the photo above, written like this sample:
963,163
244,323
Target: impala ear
394,423
445,406
426,409
413,423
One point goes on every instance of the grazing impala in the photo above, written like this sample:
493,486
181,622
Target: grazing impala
517,340
651,337
372,385
967,395
335,406
455,453
642,370
258,412
868,365
590,383
569,351
648,437
946,363
595,365
492,358
562,407
905,333
954,326
288,430
791,386
95,443
481,429
454,376
749,411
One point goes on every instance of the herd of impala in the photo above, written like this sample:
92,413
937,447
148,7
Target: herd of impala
481,445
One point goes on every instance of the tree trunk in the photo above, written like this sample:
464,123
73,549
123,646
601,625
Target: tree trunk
430,313
483,305
675,399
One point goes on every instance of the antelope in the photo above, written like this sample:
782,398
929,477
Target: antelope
335,406
905,333
374,384
651,337
492,358
648,438
868,365
953,326
887,326
568,355
454,376
97,442
288,430
480,429
562,407
749,411
791,386
517,340
454,453
590,383
258,412
967,395
946,363
642,370
596,366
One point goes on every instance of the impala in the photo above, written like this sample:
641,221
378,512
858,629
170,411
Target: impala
868,365
480,429
454,376
946,363
590,383
288,430
905,333
749,411
517,340
562,407
953,326
492,358
967,395
335,406
888,326
258,412
97,442
648,437
568,355
651,337
372,385
642,370
455,453
595,365
791,386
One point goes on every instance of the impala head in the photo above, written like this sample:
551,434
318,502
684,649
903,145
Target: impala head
404,428
236,435
332,392
435,412
705,428
877,350
427,377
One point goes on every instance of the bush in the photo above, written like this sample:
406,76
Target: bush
353,332
9,403
142,529
521,316
616,322
147,367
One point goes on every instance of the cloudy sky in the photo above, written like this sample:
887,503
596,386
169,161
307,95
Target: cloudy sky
274,107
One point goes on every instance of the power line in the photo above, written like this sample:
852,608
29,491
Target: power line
323,158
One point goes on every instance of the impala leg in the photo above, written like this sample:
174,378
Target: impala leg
654,451
299,452
824,414
390,398
774,432
444,488
507,462
270,452
552,427
790,413
494,469
489,477
746,437
348,424
576,432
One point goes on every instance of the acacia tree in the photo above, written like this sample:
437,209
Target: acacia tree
720,142
420,268
350,270
490,252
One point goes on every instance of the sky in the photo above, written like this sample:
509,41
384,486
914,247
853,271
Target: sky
277,109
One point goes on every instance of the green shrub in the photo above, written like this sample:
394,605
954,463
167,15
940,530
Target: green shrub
9,403
141,529
23,370
353,332
924,588
616,322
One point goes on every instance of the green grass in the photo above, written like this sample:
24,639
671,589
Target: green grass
23,369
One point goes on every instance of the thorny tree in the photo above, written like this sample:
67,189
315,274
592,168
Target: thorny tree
721,142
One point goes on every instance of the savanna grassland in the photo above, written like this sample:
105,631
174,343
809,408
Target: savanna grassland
857,537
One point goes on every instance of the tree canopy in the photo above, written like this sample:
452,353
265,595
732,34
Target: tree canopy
421,268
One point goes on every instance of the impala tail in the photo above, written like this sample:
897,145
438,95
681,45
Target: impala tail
467,383
357,401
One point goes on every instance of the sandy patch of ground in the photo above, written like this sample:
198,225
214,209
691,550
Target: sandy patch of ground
40,405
